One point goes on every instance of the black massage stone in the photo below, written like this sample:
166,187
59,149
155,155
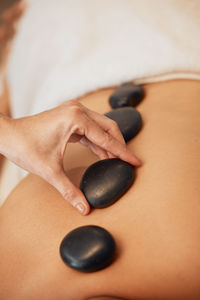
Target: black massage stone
128,119
127,94
88,248
105,181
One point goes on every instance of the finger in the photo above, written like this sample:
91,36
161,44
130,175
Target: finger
110,155
70,192
99,137
107,124
74,138
84,125
102,154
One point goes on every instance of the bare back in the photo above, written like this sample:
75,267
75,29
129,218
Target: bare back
155,224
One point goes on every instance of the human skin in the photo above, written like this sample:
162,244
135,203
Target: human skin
155,224
37,143
10,14
9,18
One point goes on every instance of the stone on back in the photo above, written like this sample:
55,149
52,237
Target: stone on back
128,119
127,94
105,181
88,248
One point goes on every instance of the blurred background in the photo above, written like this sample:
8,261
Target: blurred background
6,3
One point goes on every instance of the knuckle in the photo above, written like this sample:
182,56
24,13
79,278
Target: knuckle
75,111
114,125
72,102
107,140
69,195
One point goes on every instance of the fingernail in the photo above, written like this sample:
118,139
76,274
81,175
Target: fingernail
81,208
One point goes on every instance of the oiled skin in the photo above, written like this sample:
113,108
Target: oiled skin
155,224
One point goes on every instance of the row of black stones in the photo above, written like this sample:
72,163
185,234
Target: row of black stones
92,248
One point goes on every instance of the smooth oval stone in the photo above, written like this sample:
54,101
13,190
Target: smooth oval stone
127,94
128,119
88,248
105,181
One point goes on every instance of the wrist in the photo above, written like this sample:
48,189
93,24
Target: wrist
13,140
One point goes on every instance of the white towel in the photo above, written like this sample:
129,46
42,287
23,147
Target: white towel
67,48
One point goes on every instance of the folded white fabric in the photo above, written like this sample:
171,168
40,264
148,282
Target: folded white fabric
67,48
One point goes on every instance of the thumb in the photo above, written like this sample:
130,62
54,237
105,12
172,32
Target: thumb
71,193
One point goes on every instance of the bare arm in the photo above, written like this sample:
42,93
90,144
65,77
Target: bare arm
8,22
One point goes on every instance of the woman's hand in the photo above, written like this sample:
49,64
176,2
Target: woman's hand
38,143
8,26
